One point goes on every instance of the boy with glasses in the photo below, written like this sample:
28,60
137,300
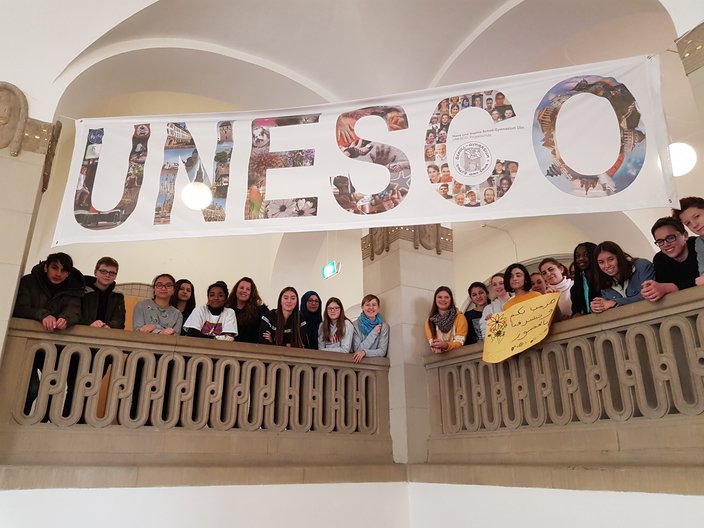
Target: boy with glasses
675,264
103,307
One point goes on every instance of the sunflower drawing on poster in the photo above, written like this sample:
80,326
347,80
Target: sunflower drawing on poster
522,326
610,126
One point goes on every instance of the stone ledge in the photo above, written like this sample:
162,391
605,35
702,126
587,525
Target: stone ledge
648,479
40,477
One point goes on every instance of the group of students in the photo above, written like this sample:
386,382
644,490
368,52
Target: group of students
58,295
600,278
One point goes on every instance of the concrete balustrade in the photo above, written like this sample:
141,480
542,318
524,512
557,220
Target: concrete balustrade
121,398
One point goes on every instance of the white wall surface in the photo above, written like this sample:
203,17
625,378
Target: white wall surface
387,505
446,505
290,506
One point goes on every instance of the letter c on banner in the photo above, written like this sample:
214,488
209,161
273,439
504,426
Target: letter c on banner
473,158
631,128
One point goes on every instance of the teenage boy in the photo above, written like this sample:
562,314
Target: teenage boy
102,306
691,214
675,264
51,293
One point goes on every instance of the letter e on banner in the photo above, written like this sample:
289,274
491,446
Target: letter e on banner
262,159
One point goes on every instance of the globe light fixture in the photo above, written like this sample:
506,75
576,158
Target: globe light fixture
197,196
683,157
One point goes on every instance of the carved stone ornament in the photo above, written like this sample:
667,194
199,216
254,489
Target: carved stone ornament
13,117
431,237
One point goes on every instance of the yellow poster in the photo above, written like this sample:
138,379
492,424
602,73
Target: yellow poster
518,328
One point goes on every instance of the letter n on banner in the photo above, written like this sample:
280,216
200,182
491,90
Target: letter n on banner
181,148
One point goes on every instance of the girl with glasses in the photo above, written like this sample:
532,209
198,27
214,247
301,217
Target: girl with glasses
336,331
156,315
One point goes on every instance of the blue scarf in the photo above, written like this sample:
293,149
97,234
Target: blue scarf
366,325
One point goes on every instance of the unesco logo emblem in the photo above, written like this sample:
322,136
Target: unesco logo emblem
471,159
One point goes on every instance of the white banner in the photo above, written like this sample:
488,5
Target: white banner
579,139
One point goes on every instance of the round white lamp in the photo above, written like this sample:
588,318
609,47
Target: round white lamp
197,196
683,157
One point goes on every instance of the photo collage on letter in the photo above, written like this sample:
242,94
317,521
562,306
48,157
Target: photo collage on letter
631,156
503,172
395,161
262,159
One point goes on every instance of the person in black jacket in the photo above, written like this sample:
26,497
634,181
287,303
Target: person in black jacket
585,288
284,325
676,266
102,306
51,293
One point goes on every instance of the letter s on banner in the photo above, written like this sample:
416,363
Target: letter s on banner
394,159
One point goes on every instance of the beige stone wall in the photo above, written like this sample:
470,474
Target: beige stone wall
20,181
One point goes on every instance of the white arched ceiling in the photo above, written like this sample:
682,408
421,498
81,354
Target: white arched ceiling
285,54
237,83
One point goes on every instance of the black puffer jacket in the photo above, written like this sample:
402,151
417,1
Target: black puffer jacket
36,298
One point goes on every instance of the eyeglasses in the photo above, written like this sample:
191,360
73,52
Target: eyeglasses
333,308
107,273
162,286
314,301
669,239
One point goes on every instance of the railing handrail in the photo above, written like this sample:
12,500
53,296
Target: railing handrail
86,391
86,335
642,311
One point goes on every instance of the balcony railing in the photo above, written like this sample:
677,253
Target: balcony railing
622,387
607,401
113,397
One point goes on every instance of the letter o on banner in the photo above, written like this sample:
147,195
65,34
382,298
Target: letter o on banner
632,150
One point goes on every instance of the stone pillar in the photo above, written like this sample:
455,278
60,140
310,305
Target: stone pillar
24,143
403,266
